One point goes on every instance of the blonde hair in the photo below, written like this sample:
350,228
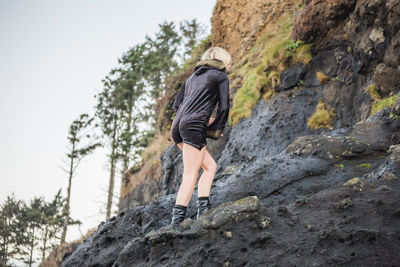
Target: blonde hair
218,53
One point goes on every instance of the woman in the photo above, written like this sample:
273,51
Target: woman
194,104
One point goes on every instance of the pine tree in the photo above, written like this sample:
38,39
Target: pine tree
52,220
161,55
130,89
126,105
192,32
30,221
10,236
78,132
111,121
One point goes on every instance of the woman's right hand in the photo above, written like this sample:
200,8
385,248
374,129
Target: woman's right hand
211,121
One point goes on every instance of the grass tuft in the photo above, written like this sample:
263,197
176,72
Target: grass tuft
322,117
322,78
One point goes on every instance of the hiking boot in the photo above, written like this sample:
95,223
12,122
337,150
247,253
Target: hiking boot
178,214
203,204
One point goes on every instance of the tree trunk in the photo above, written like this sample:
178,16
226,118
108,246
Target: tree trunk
112,171
32,246
66,218
111,186
126,155
4,257
44,245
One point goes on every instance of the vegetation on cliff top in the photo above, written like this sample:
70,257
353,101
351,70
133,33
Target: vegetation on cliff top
262,66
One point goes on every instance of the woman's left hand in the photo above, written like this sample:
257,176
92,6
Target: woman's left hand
214,134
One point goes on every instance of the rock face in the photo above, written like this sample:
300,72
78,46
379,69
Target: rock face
318,17
354,223
236,25
285,195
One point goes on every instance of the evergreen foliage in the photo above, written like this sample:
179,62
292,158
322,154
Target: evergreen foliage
27,229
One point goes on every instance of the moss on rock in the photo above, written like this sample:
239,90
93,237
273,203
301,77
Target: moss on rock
378,105
371,90
261,67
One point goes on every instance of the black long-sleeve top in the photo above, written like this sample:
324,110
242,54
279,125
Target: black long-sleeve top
199,94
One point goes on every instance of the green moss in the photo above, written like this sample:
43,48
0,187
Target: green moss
394,116
302,54
378,105
322,117
294,45
365,165
246,97
339,79
371,90
262,65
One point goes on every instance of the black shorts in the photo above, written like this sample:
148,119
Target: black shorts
190,130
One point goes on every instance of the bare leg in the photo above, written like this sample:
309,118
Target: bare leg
180,145
192,161
209,168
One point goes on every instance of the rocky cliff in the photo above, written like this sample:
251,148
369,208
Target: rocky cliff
310,175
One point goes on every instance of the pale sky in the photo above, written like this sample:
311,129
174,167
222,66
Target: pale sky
54,55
